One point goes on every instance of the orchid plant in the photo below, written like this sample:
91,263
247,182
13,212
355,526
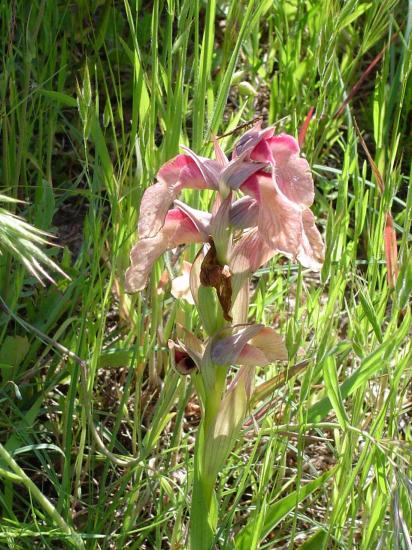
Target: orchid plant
261,208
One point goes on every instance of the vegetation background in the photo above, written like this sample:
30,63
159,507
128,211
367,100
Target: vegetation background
97,444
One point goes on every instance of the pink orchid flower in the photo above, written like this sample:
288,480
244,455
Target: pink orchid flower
274,214
276,205
160,229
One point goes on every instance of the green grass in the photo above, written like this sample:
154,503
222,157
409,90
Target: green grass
94,97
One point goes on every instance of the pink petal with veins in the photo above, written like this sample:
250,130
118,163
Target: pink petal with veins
250,139
178,229
219,153
292,172
200,218
312,250
179,173
252,357
282,226
184,171
238,171
262,153
279,220
155,204
284,144
253,345
271,344
248,254
210,169
244,213
225,351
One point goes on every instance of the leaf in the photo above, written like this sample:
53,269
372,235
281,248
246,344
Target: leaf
38,447
333,390
60,97
370,313
404,282
224,88
209,310
118,357
353,15
266,388
14,350
278,511
370,365
45,205
222,433
316,541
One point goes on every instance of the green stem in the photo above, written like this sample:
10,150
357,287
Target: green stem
214,398
203,517
204,504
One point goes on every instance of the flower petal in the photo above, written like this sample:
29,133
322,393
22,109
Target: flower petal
154,206
280,220
192,343
252,357
194,277
238,171
298,237
312,250
181,284
250,139
181,359
240,303
187,353
183,171
292,172
220,229
253,345
210,169
262,153
244,213
177,229
248,254
225,351
219,153
200,218
179,173
181,288
271,344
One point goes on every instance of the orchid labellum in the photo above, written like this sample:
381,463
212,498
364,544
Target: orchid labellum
261,208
